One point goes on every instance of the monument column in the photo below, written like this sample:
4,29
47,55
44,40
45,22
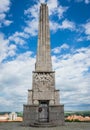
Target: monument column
43,103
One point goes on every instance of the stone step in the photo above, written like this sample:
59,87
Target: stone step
43,124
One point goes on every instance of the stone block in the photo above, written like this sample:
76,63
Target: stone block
30,114
45,95
30,92
56,114
57,97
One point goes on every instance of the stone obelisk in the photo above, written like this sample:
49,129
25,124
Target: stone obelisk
43,61
43,100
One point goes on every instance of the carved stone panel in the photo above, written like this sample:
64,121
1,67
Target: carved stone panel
43,81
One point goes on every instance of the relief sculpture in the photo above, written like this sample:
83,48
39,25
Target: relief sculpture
43,81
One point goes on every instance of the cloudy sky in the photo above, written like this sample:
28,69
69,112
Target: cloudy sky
70,50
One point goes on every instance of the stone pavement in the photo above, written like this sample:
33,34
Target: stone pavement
68,126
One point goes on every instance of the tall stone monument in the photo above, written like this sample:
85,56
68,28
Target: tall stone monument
43,100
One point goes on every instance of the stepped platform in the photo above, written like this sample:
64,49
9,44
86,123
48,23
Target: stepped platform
43,124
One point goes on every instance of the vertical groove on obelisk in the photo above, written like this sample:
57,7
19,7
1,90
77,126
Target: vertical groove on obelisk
43,32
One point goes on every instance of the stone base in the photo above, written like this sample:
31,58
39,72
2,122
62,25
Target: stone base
30,115
56,114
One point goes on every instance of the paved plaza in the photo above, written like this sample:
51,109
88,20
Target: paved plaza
68,126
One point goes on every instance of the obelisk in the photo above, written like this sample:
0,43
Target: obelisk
43,61
43,103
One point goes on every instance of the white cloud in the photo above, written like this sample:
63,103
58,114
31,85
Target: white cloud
7,22
60,48
72,76
54,26
84,31
32,22
87,28
2,16
61,10
56,8
31,27
53,7
19,38
12,50
85,1
42,1
32,11
66,24
4,8
6,49
15,80
4,5
3,47
4,101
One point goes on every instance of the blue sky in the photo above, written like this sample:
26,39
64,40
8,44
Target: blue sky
70,50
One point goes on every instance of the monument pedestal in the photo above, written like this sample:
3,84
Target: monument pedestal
32,115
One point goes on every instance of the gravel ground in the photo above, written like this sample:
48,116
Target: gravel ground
68,126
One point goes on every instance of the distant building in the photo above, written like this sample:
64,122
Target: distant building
13,116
